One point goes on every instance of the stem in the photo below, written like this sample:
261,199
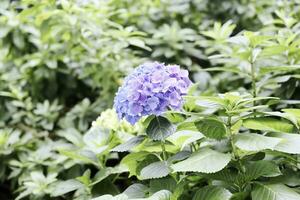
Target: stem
231,137
193,146
163,150
253,77
234,150
116,177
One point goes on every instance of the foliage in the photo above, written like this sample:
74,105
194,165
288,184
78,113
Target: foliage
237,136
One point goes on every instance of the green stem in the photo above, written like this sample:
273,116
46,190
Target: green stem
253,77
231,137
116,177
163,150
193,147
234,150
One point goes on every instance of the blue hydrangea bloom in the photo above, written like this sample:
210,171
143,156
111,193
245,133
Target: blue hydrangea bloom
151,89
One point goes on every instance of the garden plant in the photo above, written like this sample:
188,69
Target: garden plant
153,100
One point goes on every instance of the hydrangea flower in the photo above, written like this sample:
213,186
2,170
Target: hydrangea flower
151,89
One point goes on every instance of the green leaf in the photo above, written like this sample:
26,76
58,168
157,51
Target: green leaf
96,139
132,160
274,192
253,170
84,156
18,39
291,118
226,175
255,142
72,135
209,100
288,178
179,190
129,144
138,43
212,193
290,143
239,40
160,195
85,178
167,183
211,128
205,160
256,39
65,187
155,170
110,197
273,50
244,102
160,128
104,197
237,111
181,155
184,137
136,191
227,69
239,196
278,69
260,168
105,172
268,124
186,126
293,112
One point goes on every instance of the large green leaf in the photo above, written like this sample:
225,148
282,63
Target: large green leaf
110,197
181,155
132,160
136,190
284,115
167,183
227,69
64,187
240,196
268,124
105,172
179,189
155,170
255,142
260,168
205,160
226,175
293,111
211,128
104,197
160,195
253,170
96,139
209,101
212,193
278,69
129,144
184,137
84,156
290,143
160,128
274,192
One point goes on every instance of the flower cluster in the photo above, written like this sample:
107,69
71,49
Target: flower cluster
150,89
